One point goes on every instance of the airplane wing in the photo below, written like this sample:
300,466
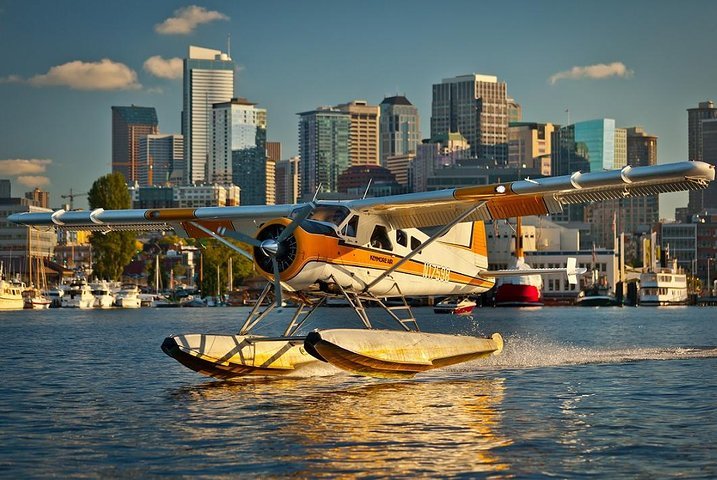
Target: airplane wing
535,197
424,209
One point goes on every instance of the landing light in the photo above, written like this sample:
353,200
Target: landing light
500,189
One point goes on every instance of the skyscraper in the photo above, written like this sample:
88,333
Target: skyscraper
697,120
587,146
399,128
287,181
529,145
363,132
129,124
323,148
208,79
161,160
476,106
234,127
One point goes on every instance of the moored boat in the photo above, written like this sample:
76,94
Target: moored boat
78,295
596,296
128,297
455,306
663,288
519,290
103,294
10,294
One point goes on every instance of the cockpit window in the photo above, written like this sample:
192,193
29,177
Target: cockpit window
351,227
379,238
330,214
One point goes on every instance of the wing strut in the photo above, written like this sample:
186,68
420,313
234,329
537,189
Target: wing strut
432,239
226,243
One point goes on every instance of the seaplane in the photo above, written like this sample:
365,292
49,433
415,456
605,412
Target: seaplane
378,250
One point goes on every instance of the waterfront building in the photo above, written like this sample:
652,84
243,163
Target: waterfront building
129,124
363,132
161,160
208,79
529,145
184,196
400,128
476,106
21,245
372,180
287,181
323,149
680,240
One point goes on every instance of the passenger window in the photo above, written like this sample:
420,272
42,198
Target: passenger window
379,238
415,243
401,238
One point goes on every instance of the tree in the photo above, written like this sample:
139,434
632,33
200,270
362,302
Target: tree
112,251
216,256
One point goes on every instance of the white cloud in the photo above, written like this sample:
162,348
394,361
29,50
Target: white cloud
597,71
33,181
186,19
171,68
78,75
20,167
11,79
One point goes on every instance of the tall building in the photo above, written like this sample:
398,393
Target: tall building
438,152
587,146
529,145
620,159
700,199
208,79
235,126
706,199
323,148
515,111
39,198
5,188
476,106
287,181
400,166
161,160
399,127
363,132
273,151
129,124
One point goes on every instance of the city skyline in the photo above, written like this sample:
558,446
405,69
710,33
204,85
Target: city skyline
63,70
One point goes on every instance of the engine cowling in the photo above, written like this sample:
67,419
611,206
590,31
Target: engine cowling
285,252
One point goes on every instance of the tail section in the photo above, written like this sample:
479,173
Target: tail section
479,244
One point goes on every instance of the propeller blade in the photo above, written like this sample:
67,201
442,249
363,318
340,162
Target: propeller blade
300,217
277,281
242,237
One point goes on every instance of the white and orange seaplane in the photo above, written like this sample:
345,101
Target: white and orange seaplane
371,249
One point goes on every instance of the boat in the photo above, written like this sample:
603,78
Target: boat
103,294
663,287
10,293
596,296
455,306
78,295
519,290
128,297
35,300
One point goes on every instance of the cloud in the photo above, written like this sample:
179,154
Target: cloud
26,171
20,167
33,181
171,68
11,79
78,75
597,71
186,19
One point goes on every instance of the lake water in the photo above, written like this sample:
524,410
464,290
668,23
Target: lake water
603,392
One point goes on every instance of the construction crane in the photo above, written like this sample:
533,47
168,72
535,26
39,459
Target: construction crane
72,196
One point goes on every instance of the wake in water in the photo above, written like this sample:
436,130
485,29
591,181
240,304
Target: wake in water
532,352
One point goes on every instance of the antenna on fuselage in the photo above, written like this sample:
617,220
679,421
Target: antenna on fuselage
316,194
367,187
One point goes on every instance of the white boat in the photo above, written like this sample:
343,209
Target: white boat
128,297
10,294
36,300
455,306
79,295
103,294
662,288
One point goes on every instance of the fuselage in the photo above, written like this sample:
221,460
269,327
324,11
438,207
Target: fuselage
338,246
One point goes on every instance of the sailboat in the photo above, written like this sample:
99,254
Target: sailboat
519,290
35,298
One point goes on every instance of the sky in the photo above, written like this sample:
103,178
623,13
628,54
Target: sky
63,65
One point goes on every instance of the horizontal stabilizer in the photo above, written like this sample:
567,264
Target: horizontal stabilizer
571,271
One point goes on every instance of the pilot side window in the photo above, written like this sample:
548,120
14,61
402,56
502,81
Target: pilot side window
351,227
379,238
401,238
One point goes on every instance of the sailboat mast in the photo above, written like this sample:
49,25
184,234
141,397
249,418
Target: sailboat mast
156,274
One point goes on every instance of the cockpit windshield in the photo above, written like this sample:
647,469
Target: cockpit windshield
329,214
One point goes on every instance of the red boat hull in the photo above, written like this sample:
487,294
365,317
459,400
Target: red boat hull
510,295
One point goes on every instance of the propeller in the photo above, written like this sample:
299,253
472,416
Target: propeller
275,245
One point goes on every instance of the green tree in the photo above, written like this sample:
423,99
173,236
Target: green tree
112,251
215,256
